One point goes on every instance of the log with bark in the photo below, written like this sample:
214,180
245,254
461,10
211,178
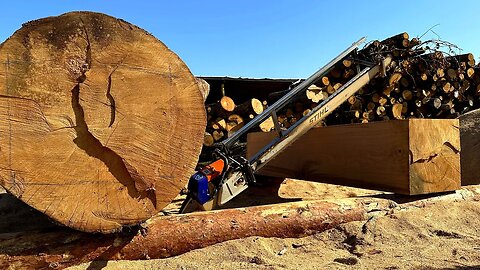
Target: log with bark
204,88
167,236
101,124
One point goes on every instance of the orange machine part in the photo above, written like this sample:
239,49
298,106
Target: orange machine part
214,169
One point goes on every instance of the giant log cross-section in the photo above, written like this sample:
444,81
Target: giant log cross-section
101,124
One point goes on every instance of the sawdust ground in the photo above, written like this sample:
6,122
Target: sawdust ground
445,235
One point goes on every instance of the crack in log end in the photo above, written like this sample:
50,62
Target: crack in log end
94,148
88,49
447,145
453,148
111,99
426,160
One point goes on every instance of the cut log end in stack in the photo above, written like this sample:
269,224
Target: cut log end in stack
225,117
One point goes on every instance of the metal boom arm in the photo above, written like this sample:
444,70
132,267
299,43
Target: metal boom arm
238,181
287,98
239,171
317,114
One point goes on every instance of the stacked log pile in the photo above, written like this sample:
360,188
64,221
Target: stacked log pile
225,117
426,80
423,83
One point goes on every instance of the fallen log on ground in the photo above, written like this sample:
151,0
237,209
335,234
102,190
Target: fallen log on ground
173,235
101,124
167,236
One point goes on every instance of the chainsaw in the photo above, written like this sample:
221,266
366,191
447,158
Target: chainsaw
231,173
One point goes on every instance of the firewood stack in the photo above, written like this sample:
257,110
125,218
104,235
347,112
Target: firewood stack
423,83
426,80
225,117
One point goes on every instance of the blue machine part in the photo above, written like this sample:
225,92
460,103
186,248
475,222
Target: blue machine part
198,186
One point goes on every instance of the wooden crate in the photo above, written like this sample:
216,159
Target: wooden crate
415,156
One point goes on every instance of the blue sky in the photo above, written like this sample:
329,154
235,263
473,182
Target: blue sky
274,39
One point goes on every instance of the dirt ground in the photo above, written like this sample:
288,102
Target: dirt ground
445,235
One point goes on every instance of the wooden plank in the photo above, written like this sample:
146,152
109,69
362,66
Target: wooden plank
415,156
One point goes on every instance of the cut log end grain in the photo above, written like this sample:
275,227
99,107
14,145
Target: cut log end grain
352,100
257,106
437,103
397,111
381,110
208,139
235,118
218,135
104,122
267,125
330,89
382,101
470,72
401,40
347,63
440,72
337,86
316,94
394,78
227,104
325,81
447,87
